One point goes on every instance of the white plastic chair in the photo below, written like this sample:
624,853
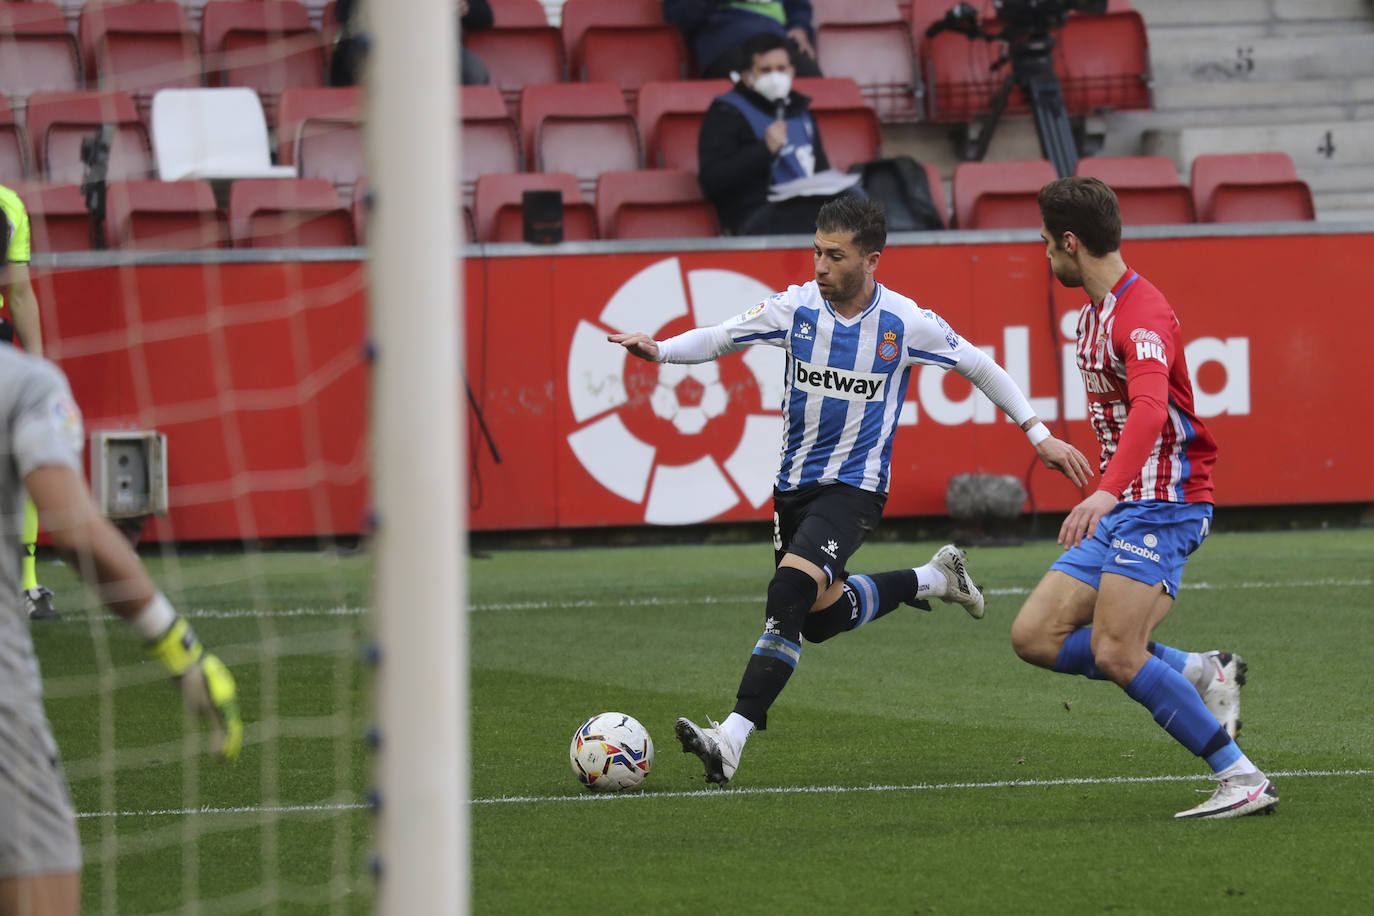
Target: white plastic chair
212,133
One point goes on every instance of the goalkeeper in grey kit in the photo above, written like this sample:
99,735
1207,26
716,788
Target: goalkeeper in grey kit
40,452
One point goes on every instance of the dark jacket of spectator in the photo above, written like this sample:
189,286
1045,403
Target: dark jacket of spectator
717,27
735,167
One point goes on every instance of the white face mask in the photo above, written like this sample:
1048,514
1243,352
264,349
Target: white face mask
775,85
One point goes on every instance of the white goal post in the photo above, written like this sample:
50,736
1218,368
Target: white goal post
419,603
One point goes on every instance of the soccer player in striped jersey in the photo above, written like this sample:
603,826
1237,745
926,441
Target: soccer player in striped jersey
851,345
1094,611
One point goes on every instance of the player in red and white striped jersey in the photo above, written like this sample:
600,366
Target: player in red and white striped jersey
1127,542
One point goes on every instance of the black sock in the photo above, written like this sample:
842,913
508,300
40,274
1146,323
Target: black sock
790,596
865,598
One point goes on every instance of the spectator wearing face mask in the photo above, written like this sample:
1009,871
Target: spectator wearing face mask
758,135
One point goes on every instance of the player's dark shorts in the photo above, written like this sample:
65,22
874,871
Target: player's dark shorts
825,524
1148,541
37,825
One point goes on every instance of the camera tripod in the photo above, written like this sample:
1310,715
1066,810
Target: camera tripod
1033,70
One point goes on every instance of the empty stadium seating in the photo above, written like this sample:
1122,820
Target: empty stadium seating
288,213
58,217
999,195
212,133
581,128
138,48
1147,187
491,142
163,215
653,204
670,117
267,45
870,42
497,206
319,131
1249,187
14,157
59,121
522,49
848,125
37,52
626,42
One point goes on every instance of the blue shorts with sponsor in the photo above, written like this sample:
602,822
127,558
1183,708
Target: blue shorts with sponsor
1148,541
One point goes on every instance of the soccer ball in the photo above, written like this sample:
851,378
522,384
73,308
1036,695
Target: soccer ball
611,752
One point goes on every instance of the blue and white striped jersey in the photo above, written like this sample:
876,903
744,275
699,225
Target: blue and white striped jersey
845,378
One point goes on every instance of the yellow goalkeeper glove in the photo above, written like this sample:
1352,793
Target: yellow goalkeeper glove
205,683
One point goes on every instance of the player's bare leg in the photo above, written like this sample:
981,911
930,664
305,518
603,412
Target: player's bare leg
1059,605
56,894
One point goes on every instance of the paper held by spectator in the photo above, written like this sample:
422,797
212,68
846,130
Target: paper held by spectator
821,184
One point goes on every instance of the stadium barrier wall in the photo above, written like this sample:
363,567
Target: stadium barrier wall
256,369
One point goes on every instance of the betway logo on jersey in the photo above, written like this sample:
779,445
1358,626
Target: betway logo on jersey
839,383
1147,553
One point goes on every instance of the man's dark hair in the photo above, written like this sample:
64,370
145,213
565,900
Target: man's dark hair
1087,208
761,43
865,220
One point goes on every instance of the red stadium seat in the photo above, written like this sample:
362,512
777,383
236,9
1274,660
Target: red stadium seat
521,49
59,121
626,42
848,125
582,128
288,213
1249,175
1146,186
58,217
999,195
37,53
959,81
670,116
869,41
1103,61
14,157
320,132
497,206
139,48
490,140
267,46
164,215
653,204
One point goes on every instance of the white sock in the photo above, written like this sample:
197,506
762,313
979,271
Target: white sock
930,582
1198,670
737,729
1243,772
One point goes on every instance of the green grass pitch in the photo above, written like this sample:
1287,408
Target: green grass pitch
913,766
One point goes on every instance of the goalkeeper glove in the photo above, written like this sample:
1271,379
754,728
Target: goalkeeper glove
205,683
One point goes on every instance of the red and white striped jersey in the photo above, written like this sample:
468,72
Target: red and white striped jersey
1140,399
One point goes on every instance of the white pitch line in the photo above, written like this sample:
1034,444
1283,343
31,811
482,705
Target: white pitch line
728,793
658,601
918,787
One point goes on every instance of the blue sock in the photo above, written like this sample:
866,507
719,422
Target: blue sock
1076,655
1179,710
1174,658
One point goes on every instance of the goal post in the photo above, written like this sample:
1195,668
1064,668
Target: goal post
419,539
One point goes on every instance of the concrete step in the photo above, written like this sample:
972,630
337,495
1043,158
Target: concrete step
1352,178
1263,59
1313,145
1233,12
1363,217
1299,94
1252,30
1334,201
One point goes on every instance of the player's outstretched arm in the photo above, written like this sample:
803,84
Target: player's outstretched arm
1064,458
641,345
105,561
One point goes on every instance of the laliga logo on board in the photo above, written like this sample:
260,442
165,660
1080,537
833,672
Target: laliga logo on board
635,469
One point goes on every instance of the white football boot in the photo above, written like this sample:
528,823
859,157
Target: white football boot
960,588
713,746
1221,692
1232,799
